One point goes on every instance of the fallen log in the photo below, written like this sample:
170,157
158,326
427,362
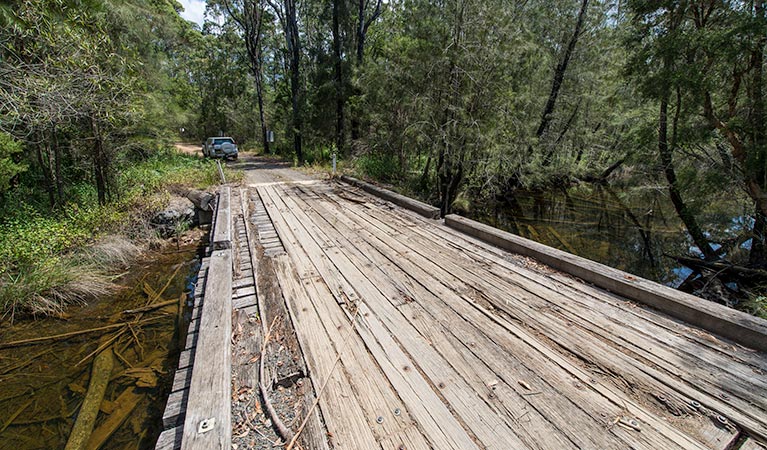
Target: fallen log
721,268
126,403
97,386
202,200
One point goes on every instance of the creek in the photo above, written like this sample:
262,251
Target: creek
42,384
630,229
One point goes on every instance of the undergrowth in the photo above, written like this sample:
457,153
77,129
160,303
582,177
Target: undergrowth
49,260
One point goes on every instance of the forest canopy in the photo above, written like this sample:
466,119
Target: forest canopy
453,101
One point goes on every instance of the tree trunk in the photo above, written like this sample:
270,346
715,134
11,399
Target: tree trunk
45,170
257,66
261,115
559,76
339,78
57,156
756,168
363,24
99,169
250,20
294,50
665,152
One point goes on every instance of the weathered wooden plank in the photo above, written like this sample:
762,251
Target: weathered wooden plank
633,314
175,408
456,321
536,430
710,370
422,402
704,428
696,375
473,411
410,438
185,359
751,444
222,231
191,340
692,376
181,379
208,416
639,328
314,435
405,202
246,291
243,282
343,415
170,439
539,314
244,302
732,324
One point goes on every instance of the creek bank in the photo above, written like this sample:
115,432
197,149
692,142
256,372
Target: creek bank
45,382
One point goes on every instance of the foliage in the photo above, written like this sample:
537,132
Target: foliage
9,168
47,260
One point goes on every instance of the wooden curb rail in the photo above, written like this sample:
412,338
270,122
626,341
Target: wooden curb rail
208,423
738,326
421,208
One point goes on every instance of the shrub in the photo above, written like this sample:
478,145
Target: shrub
50,261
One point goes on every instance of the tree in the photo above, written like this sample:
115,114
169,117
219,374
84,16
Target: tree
707,52
9,167
249,16
367,13
286,11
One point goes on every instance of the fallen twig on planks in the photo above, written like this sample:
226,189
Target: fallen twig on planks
293,441
284,431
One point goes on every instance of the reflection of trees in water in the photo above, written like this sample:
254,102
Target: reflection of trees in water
626,230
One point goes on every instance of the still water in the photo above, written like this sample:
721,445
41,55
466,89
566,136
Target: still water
42,385
631,229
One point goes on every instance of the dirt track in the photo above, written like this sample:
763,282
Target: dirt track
189,149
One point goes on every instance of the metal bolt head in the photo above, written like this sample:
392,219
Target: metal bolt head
379,419
397,411
694,404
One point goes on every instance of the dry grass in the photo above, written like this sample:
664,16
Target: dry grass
75,278
48,289
113,251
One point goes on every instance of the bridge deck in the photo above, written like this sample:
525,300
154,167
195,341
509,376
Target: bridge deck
417,336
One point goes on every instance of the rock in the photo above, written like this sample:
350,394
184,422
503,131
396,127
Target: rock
178,213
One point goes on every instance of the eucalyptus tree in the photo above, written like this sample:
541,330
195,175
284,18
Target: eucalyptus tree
249,15
710,57
287,14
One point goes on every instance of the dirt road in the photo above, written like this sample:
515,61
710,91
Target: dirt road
189,149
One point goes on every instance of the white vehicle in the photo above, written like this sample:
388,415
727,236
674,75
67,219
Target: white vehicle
220,147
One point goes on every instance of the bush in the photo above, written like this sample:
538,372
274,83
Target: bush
382,167
49,261
8,167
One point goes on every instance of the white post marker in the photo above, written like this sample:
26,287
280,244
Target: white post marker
334,163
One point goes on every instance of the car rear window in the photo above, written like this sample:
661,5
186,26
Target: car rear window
222,141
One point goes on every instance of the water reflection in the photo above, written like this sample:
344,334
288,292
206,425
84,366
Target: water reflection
628,229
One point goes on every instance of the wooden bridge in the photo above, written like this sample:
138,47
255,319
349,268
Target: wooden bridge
396,330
